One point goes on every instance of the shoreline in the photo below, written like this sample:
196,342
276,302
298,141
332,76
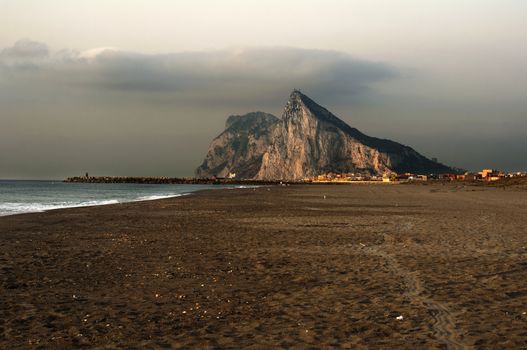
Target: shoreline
113,202
283,266
117,202
240,185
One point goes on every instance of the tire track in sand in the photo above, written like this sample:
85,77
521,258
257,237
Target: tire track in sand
444,328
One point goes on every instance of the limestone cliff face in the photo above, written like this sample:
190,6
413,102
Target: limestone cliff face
239,149
308,140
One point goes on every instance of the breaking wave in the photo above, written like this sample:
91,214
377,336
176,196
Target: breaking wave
19,208
159,196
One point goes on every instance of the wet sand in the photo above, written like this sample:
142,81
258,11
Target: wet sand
359,266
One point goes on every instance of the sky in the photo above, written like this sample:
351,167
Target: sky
129,87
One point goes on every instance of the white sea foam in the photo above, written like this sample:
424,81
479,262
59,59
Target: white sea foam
243,186
18,208
159,196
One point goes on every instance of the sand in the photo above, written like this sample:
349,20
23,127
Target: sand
357,266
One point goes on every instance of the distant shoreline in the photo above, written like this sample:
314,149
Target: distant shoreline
224,181
170,180
199,181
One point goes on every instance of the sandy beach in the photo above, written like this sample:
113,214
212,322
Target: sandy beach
358,266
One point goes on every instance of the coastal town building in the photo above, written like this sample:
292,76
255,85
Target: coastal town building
468,176
492,175
517,174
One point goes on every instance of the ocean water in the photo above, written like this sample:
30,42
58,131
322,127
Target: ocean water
18,197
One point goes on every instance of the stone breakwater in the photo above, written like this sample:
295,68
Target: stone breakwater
167,180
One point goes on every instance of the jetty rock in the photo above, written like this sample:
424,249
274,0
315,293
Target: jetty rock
307,141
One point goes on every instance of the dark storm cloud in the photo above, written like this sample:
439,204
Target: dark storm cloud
218,75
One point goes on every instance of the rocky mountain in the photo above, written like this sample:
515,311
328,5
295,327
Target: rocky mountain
308,140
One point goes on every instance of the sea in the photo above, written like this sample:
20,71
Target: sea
17,196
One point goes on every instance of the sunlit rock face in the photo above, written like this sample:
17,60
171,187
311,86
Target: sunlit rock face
308,140
239,148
